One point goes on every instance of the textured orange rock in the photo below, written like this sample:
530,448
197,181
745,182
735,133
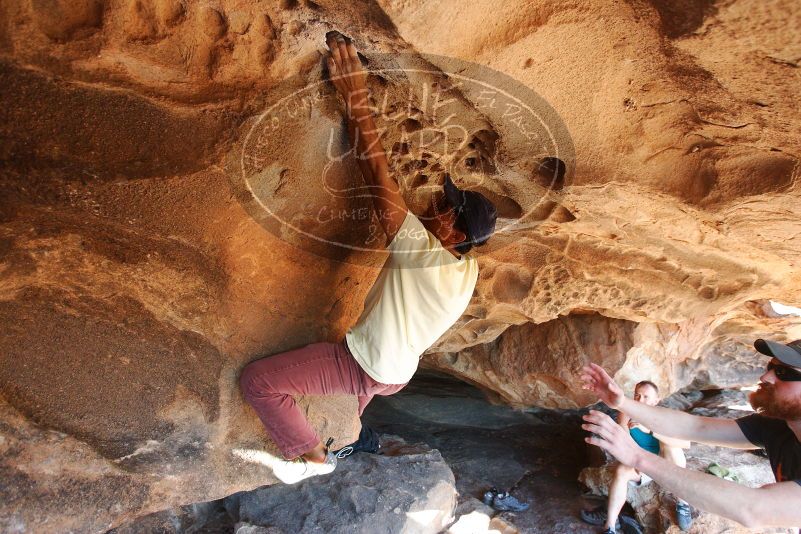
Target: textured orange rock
137,279
539,364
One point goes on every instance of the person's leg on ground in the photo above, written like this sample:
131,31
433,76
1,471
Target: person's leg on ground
676,455
268,385
618,491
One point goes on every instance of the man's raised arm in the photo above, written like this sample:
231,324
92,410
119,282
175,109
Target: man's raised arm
770,505
349,77
671,423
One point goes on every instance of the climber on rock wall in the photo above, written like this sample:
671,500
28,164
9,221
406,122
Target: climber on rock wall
647,393
776,427
423,288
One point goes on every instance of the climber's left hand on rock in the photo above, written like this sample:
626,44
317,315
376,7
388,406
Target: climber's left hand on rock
345,68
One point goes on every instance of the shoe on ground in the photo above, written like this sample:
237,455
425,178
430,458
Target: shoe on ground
609,531
629,525
597,516
684,516
293,471
504,502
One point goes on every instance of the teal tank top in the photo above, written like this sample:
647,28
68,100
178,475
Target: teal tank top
645,440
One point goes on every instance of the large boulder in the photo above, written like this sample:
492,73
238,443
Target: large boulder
409,488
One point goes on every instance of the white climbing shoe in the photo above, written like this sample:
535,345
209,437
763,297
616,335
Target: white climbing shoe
292,471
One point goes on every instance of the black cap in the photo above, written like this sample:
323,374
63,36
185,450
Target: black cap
477,212
789,354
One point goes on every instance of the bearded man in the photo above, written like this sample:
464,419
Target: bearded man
776,427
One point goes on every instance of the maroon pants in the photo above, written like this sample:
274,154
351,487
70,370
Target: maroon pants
317,369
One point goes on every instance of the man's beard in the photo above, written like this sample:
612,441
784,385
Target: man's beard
765,403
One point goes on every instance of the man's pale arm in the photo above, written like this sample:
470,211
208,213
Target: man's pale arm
773,505
683,426
663,421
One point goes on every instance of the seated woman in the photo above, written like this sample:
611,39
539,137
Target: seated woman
672,449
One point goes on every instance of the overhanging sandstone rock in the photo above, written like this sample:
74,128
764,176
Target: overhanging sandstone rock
135,283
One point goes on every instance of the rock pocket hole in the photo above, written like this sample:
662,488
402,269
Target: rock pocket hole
550,173
411,125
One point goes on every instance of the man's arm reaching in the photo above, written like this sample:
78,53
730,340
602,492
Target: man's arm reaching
664,421
349,77
770,505
674,442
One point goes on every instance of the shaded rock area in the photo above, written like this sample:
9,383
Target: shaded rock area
536,455
539,364
140,268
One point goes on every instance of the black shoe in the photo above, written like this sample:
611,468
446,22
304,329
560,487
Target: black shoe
684,516
489,495
609,531
597,516
504,502
629,525
368,441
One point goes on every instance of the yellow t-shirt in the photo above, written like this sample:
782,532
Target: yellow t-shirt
421,292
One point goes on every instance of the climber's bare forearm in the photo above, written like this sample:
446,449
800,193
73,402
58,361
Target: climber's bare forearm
368,145
350,79
389,204
364,166
369,154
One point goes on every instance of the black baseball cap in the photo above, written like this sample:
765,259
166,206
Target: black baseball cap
475,210
789,354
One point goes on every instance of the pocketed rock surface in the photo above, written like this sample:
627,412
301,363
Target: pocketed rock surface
158,231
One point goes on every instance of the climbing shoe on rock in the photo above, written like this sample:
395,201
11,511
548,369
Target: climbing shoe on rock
293,471
368,441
